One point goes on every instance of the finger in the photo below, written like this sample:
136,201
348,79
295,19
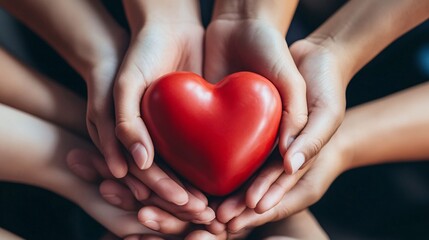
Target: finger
292,89
230,208
139,190
81,165
216,227
285,76
248,219
277,191
111,148
263,181
202,234
100,165
161,221
118,195
322,124
159,182
130,128
197,193
189,212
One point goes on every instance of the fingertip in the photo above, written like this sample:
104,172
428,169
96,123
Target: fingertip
251,199
200,234
235,225
174,193
263,206
230,209
284,143
206,217
139,190
216,227
198,194
294,163
140,156
116,167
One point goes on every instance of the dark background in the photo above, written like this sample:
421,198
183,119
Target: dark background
380,202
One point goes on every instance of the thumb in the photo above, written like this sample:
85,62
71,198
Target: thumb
130,128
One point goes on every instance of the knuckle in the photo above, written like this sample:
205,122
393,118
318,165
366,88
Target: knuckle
282,213
301,120
313,192
311,144
314,146
123,129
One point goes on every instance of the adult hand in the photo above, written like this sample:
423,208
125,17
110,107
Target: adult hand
237,41
290,193
152,211
166,37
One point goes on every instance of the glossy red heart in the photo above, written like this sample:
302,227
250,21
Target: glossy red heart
216,136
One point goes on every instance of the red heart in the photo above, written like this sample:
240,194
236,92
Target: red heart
216,136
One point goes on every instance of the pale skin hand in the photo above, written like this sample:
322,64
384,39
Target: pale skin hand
327,59
300,226
250,36
166,36
47,168
91,41
96,51
399,130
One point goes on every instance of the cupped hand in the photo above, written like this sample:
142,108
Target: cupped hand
151,211
255,45
155,50
274,195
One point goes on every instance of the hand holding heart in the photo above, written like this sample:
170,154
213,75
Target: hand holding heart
215,136
230,46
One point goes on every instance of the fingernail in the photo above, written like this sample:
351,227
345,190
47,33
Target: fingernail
152,225
139,154
207,216
297,161
112,199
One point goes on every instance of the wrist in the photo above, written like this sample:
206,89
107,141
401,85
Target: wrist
279,13
326,44
104,59
142,12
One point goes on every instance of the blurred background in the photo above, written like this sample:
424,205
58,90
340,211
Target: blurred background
379,202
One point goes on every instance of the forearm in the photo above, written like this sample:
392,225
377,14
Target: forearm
363,28
82,31
141,12
35,153
26,90
391,129
34,150
277,12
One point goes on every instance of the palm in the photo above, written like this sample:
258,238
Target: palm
162,51
247,45
322,76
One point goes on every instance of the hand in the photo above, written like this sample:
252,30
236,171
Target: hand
160,44
274,195
153,212
326,106
256,45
